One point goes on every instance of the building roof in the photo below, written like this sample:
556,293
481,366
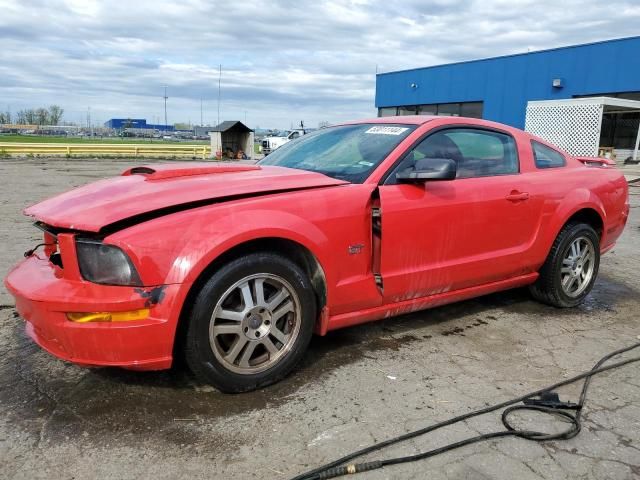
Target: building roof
231,125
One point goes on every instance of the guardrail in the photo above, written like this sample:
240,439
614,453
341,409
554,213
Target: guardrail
100,149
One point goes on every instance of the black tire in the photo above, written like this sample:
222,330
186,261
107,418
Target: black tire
209,365
548,288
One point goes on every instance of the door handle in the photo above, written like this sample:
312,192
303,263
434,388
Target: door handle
516,196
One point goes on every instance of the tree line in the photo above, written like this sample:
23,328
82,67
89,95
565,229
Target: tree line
34,116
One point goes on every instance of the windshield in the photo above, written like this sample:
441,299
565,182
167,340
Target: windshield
348,152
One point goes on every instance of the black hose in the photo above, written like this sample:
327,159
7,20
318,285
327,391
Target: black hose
561,409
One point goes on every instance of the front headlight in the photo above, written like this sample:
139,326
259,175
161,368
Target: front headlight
105,264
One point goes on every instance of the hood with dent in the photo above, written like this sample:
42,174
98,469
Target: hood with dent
141,190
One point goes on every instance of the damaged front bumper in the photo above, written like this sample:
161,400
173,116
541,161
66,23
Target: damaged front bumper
45,295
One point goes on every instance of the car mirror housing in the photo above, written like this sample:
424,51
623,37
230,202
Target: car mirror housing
429,169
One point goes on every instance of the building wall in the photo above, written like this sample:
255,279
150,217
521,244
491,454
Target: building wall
119,123
506,84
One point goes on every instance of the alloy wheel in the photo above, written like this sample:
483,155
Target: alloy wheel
578,266
255,323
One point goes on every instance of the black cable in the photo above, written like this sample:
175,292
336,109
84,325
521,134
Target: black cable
30,252
336,468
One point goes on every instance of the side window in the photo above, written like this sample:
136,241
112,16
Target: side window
477,153
546,157
294,135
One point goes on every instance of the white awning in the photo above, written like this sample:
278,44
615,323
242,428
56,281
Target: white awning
574,124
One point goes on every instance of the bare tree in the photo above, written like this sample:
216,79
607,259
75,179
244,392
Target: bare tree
24,117
55,114
42,116
5,117
35,116
30,116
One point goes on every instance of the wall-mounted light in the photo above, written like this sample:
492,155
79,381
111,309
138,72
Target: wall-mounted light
557,83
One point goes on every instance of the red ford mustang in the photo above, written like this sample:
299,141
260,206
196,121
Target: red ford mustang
235,266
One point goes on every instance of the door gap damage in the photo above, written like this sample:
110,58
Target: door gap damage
376,238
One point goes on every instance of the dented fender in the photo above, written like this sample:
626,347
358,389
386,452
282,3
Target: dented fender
200,236
177,248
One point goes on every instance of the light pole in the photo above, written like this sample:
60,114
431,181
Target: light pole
165,107
219,87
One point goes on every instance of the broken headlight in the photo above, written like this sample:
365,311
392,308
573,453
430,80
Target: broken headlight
105,264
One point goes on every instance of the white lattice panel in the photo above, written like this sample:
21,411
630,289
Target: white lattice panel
573,127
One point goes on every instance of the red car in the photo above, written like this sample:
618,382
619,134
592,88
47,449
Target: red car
235,266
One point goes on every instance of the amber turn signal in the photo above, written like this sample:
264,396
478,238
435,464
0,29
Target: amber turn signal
86,317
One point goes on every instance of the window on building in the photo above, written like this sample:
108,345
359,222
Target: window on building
428,109
449,109
619,130
410,110
463,109
471,109
387,111
546,157
477,153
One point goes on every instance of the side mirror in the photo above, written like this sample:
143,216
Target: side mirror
429,169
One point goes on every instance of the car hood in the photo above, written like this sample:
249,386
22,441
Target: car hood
167,187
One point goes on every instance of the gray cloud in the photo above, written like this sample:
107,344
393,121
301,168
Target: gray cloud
282,61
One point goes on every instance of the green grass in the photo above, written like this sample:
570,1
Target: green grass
56,139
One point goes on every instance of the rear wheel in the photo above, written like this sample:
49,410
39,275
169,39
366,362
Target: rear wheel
251,323
571,267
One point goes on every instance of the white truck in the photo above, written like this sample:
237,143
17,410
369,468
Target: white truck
269,144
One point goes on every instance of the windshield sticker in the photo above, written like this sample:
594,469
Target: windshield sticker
365,163
387,130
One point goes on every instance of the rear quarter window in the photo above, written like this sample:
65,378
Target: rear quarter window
546,157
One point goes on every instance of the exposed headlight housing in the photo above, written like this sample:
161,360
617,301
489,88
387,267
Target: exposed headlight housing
105,264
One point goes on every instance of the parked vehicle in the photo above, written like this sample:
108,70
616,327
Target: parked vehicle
235,266
270,143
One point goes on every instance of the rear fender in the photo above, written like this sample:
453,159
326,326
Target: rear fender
572,203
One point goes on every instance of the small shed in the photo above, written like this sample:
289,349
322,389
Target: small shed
231,136
588,126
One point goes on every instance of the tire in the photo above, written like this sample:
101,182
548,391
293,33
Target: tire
566,277
238,340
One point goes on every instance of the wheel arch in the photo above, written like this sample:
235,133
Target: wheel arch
587,215
300,254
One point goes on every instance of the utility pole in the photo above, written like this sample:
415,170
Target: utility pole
165,107
219,84
201,122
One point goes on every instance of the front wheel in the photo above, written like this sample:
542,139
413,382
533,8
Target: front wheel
571,267
251,323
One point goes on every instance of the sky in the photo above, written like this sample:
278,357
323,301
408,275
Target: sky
282,61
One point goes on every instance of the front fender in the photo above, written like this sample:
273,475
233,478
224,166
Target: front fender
177,248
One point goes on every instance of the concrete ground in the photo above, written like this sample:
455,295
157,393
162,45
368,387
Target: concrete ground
355,387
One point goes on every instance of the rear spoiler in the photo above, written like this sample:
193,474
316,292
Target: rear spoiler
596,161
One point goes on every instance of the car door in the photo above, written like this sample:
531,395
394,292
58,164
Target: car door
440,236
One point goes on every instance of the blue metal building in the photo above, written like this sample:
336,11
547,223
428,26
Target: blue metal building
120,123
499,88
